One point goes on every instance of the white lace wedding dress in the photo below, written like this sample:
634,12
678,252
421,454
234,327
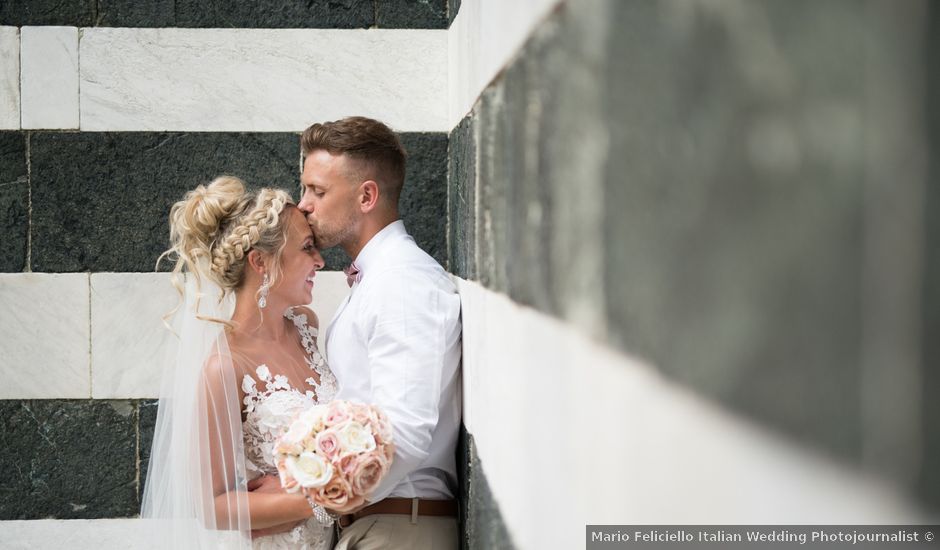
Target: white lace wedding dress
269,412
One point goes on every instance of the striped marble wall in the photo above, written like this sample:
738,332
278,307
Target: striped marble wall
109,112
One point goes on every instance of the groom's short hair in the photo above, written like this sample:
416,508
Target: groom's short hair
375,149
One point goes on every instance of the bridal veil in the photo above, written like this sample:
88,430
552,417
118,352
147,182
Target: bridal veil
195,492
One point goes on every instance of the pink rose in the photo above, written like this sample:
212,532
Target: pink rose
287,480
362,415
367,473
346,465
337,495
337,412
328,444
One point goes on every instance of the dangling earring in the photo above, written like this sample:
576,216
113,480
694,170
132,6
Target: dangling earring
263,291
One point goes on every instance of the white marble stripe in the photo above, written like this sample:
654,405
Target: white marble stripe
77,534
570,432
44,348
68,337
128,337
484,37
9,78
261,79
49,77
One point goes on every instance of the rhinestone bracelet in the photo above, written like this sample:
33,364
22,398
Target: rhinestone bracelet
321,513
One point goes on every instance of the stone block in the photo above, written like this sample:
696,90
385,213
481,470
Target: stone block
44,349
147,422
484,525
101,200
453,6
9,78
280,14
75,13
130,13
128,337
14,201
49,77
408,14
68,459
80,534
267,80
461,201
493,203
423,202
928,483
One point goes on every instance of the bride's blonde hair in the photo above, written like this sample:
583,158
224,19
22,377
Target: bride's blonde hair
215,226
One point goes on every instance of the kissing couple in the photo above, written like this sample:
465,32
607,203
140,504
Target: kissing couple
246,362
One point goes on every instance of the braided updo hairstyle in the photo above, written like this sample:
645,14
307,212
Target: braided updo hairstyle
215,226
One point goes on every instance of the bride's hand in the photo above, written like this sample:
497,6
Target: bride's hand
266,484
270,484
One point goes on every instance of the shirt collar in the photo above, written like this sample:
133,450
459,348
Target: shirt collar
371,251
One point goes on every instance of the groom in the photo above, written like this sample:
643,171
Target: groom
395,341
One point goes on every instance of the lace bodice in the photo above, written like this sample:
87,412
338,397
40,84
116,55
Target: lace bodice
269,411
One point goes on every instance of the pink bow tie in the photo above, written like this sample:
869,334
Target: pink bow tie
352,274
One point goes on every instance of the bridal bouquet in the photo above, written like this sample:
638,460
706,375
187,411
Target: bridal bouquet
335,453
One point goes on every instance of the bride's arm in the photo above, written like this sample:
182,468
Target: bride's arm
223,433
271,509
270,486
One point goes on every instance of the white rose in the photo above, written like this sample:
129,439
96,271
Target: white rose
315,417
293,440
355,438
310,470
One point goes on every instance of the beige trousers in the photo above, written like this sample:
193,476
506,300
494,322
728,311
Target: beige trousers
393,531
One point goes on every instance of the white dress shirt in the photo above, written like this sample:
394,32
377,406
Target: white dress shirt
395,343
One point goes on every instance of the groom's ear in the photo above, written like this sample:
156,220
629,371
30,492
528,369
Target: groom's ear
256,261
368,196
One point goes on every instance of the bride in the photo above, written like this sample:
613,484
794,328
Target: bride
246,362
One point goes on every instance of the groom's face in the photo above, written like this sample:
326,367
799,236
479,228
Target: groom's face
329,198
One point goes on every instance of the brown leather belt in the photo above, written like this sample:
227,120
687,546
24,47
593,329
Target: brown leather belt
413,507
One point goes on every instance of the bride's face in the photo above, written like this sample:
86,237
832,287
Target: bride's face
300,261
